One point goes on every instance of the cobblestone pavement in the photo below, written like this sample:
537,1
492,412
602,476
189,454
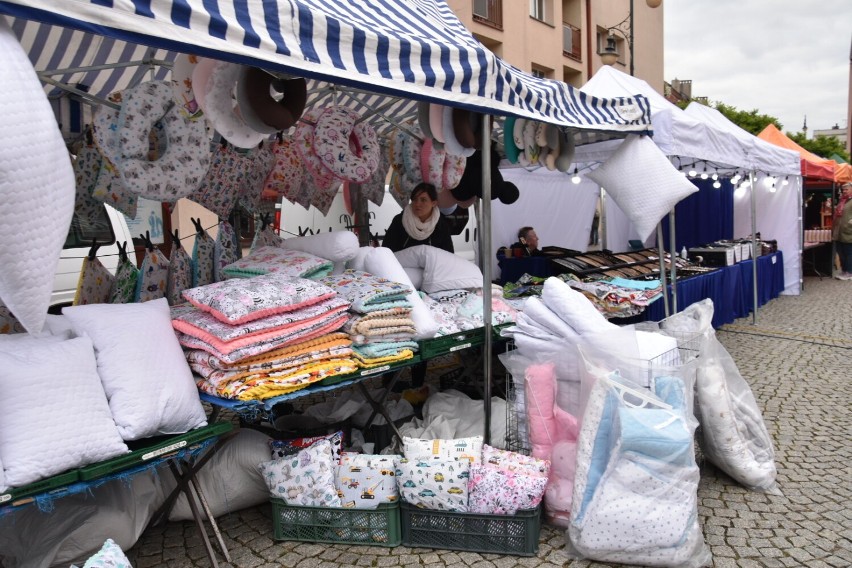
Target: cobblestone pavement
797,359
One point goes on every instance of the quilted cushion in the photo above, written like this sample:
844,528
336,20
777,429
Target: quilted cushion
512,461
503,492
267,260
643,183
37,182
283,448
438,484
466,448
145,375
442,270
305,478
366,481
153,275
242,300
63,377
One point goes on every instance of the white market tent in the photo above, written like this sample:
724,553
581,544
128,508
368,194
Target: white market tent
778,197
413,49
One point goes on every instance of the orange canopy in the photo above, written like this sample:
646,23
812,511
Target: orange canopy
813,166
843,173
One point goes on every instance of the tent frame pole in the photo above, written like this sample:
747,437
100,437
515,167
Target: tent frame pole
673,257
754,255
485,261
662,253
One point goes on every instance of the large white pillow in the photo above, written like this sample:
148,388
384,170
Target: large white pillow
336,246
442,270
145,375
29,251
643,183
54,415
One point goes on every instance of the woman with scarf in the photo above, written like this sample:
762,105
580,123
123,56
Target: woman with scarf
842,231
420,223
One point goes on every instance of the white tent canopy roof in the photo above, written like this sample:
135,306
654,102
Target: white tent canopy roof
677,134
761,155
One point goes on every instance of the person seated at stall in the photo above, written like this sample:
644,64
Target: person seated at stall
527,245
420,223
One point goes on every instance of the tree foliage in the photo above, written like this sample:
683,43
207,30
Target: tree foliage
822,146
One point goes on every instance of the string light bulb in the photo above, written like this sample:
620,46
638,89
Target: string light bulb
575,179
785,181
704,173
717,184
715,177
692,173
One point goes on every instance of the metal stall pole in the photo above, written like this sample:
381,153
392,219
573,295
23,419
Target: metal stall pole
485,257
602,236
799,192
662,252
673,253
754,254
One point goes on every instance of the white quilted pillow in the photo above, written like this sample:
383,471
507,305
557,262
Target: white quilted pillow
642,182
145,375
56,379
442,270
336,246
29,251
574,308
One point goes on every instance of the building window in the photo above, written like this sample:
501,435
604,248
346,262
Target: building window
542,10
538,73
489,12
571,39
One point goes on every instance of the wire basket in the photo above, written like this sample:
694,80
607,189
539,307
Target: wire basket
687,349
517,429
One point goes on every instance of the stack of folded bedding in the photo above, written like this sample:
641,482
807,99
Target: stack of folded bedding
270,259
461,310
381,326
265,336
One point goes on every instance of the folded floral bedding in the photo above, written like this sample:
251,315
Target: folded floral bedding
367,292
291,263
461,310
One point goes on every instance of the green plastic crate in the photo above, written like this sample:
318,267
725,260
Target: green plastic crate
165,446
449,343
11,496
516,534
376,527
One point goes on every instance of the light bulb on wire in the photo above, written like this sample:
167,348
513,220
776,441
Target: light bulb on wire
692,173
575,179
704,173
716,184
714,177
785,181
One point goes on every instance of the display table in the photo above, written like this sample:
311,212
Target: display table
512,268
730,288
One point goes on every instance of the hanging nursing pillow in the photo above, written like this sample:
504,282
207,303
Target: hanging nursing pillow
347,148
184,96
220,109
180,168
451,142
442,170
317,174
255,88
200,77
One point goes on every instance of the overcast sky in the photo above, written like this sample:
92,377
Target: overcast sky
785,58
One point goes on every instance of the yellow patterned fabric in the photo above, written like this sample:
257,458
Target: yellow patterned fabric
368,363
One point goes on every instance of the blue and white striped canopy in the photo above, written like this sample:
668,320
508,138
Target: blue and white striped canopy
413,49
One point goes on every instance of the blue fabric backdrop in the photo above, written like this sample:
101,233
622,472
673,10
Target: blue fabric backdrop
704,216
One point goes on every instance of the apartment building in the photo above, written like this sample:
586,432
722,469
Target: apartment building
562,39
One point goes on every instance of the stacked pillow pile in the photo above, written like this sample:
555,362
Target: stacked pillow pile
461,475
381,326
254,338
533,143
106,374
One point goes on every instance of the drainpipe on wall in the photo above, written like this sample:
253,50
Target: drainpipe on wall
588,39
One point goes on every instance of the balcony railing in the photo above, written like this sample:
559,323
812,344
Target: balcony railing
488,12
571,41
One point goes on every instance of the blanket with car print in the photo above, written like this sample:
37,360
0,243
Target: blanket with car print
227,338
260,386
328,324
367,292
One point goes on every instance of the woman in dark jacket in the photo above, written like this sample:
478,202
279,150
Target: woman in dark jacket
420,223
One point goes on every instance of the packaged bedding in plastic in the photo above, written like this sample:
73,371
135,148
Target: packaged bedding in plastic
733,435
636,481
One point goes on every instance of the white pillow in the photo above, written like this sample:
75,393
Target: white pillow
442,270
145,375
574,308
455,449
54,415
335,246
643,183
304,479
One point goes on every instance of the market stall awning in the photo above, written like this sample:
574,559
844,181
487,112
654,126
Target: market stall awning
415,49
813,167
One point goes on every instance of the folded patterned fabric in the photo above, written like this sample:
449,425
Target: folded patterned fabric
267,260
381,339
368,292
200,363
357,326
387,349
227,338
328,325
270,359
370,362
243,300
260,386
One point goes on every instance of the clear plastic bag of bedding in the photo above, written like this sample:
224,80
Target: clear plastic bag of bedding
733,435
636,481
